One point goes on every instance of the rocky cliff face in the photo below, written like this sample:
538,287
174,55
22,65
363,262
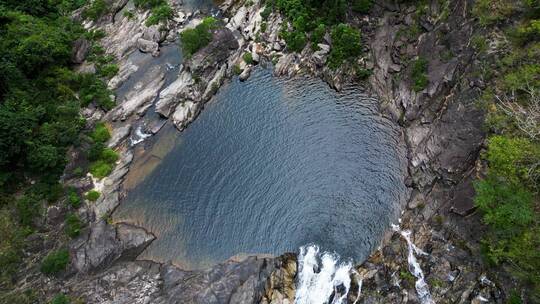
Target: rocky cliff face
443,131
440,123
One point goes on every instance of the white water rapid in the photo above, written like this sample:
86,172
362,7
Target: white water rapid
422,289
139,137
322,279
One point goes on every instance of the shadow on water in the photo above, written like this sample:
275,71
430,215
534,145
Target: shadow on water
268,166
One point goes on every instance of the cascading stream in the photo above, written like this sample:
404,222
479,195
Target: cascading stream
422,289
328,283
323,280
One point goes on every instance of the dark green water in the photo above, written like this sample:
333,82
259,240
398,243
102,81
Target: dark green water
271,165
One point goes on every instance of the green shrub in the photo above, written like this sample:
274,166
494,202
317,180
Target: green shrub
73,198
511,158
28,208
108,70
73,225
514,298
129,14
159,13
492,11
248,58
196,38
407,276
264,27
101,133
362,73
27,296
60,299
479,43
507,204
362,6
266,12
237,70
296,41
92,89
55,262
11,244
100,169
78,172
346,44
97,9
419,74
95,151
318,35
94,35
522,78
92,195
109,156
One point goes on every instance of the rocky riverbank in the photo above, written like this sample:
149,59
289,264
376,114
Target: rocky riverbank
441,126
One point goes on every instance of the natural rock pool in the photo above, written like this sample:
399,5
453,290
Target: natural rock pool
268,166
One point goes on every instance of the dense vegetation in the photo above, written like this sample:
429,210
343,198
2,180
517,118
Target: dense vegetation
40,100
196,38
310,20
159,10
508,195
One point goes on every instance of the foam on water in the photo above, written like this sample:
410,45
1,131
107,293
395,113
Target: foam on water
322,278
139,137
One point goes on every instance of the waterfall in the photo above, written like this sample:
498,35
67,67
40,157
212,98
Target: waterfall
140,136
328,283
323,280
422,289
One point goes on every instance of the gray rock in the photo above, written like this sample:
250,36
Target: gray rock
119,135
147,46
105,244
81,48
245,74
144,93
284,64
55,216
256,58
214,54
323,48
184,114
171,95
151,33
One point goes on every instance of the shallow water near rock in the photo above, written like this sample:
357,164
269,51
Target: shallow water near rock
268,166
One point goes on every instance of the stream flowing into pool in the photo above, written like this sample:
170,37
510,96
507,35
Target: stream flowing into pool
270,165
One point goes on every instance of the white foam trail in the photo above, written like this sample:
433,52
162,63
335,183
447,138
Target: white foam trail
317,287
422,289
359,286
140,136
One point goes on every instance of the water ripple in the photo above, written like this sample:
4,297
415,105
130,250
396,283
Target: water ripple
271,165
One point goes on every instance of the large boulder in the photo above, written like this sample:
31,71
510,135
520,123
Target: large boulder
147,46
214,54
103,244
171,95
